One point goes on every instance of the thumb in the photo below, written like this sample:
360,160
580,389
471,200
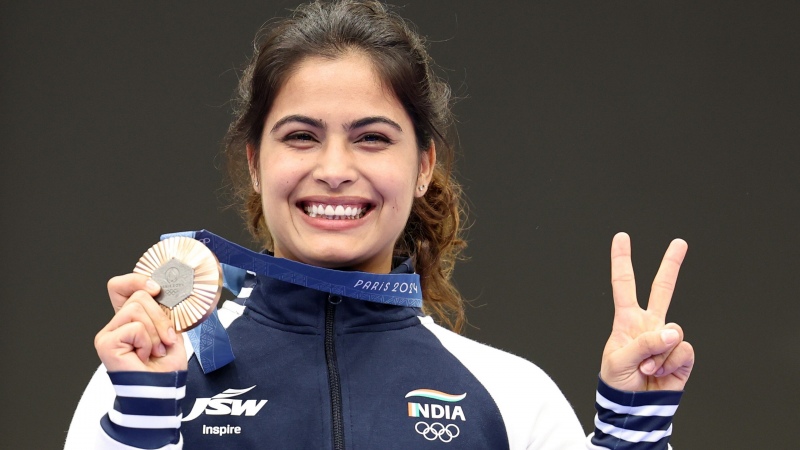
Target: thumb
650,343
625,361
121,288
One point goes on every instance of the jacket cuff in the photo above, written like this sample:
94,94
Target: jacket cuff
147,410
634,420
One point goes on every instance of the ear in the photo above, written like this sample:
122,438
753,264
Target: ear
427,161
252,164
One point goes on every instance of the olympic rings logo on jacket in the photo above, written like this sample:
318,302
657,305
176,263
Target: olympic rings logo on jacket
437,431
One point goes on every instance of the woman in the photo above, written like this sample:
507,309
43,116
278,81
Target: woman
343,164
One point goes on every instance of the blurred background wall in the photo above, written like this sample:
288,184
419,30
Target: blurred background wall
577,119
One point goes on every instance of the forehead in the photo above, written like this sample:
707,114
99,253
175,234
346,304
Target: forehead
346,88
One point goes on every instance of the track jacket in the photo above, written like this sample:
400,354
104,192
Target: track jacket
320,371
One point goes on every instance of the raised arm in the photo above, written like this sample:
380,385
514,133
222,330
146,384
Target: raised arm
137,403
644,353
646,363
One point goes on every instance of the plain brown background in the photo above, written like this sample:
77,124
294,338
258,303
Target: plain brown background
578,119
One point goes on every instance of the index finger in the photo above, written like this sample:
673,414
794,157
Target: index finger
623,283
666,278
121,288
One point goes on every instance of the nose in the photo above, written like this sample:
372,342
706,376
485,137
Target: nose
336,164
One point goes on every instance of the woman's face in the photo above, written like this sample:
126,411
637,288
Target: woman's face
338,166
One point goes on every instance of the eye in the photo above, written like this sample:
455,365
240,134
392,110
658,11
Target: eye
375,139
299,136
302,140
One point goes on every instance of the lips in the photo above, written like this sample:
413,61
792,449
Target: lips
334,212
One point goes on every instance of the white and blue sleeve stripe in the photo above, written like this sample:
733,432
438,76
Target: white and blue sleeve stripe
634,420
147,410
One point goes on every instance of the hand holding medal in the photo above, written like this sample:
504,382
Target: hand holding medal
190,278
142,334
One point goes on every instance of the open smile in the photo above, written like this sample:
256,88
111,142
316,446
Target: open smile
335,212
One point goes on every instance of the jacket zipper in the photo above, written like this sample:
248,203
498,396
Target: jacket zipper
333,373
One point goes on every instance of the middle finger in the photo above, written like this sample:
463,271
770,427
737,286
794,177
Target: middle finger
666,278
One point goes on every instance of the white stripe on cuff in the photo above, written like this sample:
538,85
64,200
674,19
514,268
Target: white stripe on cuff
139,391
631,435
646,410
144,422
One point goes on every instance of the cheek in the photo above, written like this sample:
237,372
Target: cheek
280,174
397,190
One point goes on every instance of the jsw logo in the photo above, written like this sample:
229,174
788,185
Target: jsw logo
223,405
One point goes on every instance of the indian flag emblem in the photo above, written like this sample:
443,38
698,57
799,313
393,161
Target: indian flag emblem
436,395
436,411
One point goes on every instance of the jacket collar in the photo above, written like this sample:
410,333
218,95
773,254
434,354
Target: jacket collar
285,305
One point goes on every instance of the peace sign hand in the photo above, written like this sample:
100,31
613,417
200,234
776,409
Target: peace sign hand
643,353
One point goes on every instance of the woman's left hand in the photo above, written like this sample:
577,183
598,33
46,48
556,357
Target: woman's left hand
643,352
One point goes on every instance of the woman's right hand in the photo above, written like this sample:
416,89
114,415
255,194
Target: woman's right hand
139,337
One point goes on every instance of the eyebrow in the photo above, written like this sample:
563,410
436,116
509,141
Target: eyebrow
298,118
370,120
317,123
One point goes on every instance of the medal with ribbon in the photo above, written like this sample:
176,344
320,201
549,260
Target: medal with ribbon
209,338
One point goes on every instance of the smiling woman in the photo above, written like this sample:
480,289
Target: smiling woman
326,155
339,154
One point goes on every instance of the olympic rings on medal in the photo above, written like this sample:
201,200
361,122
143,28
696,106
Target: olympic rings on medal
437,431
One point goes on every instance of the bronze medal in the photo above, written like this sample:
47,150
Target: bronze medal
190,278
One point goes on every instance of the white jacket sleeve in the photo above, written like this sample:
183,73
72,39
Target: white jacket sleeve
129,410
134,410
539,417
633,420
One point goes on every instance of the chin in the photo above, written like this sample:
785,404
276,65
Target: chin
342,260
331,258
333,252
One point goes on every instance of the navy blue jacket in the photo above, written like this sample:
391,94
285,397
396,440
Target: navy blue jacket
318,371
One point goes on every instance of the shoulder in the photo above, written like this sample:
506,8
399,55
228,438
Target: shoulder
487,360
532,406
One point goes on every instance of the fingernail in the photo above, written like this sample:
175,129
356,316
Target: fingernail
648,366
669,336
162,351
171,334
152,285
660,372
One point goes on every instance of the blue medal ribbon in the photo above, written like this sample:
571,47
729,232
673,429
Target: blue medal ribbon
209,339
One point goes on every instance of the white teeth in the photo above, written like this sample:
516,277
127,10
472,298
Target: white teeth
337,212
